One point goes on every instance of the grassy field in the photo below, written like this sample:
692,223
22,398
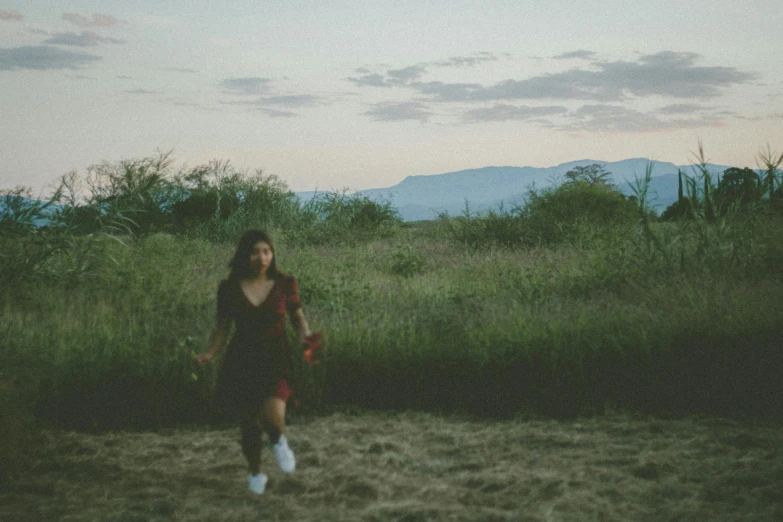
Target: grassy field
578,303
418,320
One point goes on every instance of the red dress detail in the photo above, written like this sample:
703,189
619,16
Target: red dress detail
258,363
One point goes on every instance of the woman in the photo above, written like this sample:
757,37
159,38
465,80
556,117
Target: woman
253,382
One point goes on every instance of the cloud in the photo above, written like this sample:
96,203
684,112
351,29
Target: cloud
265,101
38,32
181,70
510,112
181,103
614,118
669,74
141,91
665,73
83,39
405,75
123,77
6,14
247,86
274,113
291,100
681,108
581,55
294,100
748,118
370,80
466,61
399,112
42,57
98,20
439,91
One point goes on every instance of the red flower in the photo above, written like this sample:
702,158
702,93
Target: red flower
312,348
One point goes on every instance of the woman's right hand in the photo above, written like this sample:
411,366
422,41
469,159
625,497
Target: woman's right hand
204,359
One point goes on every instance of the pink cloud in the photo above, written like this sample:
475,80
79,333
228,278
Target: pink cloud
98,20
10,15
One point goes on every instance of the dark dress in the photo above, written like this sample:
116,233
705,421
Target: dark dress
258,364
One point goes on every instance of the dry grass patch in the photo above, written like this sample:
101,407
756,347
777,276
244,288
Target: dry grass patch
362,465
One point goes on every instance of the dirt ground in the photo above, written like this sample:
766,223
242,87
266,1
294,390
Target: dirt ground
409,466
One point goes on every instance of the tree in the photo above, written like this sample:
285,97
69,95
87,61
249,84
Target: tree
769,162
593,174
740,186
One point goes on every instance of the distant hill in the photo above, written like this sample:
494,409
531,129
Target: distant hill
12,207
419,198
424,197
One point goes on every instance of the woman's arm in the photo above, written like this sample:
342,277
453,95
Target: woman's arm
219,338
300,326
310,342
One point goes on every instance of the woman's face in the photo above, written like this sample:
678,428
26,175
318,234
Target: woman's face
260,257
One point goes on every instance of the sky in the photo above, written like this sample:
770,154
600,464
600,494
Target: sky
360,94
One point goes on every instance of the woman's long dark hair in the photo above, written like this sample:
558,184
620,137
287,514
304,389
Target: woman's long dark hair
240,264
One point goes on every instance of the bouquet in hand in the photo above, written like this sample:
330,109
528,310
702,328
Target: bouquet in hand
312,346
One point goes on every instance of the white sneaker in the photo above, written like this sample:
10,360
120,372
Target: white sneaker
283,455
257,483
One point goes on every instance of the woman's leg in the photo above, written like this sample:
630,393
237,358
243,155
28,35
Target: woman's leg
274,423
273,418
251,442
273,411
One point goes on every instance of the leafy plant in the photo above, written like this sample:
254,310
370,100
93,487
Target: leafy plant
405,261
21,213
576,210
332,216
769,163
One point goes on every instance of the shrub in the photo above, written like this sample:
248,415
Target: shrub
575,209
130,196
680,209
220,203
406,262
501,227
583,207
20,213
331,216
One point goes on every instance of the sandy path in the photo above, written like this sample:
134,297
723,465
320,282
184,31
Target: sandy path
379,466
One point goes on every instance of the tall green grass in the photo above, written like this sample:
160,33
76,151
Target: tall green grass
562,330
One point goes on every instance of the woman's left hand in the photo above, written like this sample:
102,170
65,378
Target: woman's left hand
203,359
312,345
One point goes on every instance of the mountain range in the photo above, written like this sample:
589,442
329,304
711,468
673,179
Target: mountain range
425,197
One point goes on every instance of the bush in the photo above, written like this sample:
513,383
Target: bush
501,227
576,210
130,196
20,213
220,203
214,201
406,262
331,217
